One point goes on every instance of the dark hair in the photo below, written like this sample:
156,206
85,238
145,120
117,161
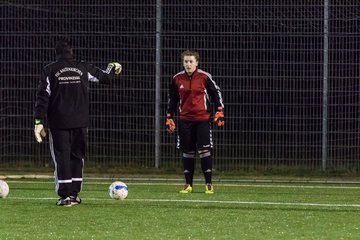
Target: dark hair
190,53
63,46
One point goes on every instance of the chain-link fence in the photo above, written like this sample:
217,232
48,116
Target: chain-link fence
288,71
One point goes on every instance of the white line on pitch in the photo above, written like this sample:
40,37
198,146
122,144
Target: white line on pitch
207,201
255,185
252,203
164,179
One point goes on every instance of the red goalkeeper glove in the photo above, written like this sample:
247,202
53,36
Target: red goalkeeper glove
170,125
219,117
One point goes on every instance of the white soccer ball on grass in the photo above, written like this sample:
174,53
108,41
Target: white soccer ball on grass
118,190
4,189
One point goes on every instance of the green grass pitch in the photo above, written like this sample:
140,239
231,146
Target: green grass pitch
155,210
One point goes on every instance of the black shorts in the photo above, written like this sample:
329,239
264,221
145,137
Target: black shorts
194,136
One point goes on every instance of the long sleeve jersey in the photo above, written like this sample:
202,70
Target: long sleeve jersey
193,96
62,94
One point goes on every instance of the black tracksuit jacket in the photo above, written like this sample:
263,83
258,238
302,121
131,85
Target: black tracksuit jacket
62,94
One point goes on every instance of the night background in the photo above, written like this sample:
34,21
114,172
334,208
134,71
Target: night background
268,57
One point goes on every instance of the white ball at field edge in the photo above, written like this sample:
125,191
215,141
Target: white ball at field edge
4,189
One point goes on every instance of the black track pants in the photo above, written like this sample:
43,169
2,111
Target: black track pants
68,148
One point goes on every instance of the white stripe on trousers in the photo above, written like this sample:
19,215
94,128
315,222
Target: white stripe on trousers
51,143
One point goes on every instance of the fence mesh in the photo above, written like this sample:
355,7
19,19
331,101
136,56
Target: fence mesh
344,87
267,57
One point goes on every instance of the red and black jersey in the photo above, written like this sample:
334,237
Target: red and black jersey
193,95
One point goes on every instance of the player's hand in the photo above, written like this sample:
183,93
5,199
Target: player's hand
39,131
117,67
219,117
170,125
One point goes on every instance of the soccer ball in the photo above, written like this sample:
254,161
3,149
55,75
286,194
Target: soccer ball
4,189
118,190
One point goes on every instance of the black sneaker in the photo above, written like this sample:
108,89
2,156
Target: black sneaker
66,202
75,200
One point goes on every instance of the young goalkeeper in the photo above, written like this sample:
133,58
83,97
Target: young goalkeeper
62,97
192,91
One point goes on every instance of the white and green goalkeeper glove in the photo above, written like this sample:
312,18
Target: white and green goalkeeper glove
117,67
39,131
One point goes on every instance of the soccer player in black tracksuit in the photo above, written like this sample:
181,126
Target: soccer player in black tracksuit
62,97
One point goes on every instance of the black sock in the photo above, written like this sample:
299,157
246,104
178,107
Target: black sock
189,167
206,166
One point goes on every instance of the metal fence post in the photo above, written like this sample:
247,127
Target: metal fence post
325,86
158,84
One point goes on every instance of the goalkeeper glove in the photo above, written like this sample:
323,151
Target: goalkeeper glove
170,125
219,117
117,67
39,131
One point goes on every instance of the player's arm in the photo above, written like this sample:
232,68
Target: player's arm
43,93
214,90
173,100
95,74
